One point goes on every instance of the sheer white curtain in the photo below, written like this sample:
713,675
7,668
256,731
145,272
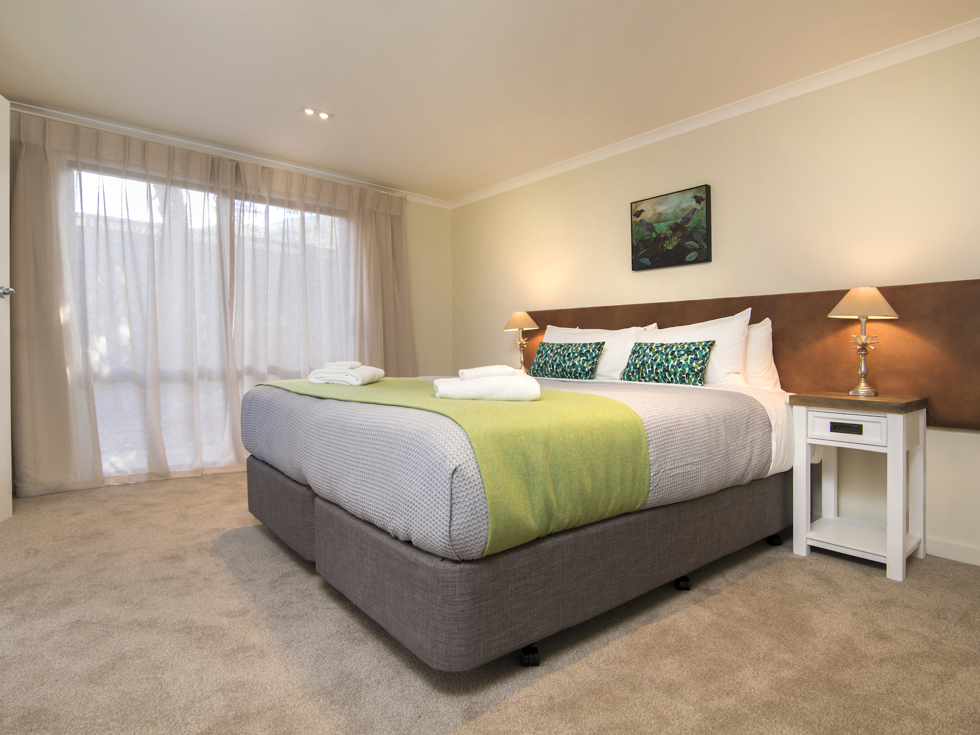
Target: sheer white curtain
156,285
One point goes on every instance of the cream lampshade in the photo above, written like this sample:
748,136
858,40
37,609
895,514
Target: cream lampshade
520,321
863,302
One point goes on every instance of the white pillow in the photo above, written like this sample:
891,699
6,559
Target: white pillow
727,359
615,354
760,369
559,332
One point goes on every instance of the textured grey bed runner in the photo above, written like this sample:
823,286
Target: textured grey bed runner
413,473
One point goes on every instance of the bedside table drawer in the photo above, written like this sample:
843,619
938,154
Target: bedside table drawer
848,428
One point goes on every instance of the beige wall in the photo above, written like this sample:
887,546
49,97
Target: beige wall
430,274
870,182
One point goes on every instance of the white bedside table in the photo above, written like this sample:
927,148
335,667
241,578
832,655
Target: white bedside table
895,426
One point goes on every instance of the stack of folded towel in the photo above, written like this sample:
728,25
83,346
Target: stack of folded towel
347,373
490,383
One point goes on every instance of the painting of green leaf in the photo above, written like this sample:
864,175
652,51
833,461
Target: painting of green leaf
672,229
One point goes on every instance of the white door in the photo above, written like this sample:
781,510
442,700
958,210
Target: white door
6,481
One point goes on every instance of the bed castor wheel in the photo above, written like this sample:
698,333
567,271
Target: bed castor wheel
775,540
530,656
682,583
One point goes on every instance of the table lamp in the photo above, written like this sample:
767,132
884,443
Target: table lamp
520,321
864,302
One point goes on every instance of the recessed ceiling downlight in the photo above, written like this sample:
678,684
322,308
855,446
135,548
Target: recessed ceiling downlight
311,111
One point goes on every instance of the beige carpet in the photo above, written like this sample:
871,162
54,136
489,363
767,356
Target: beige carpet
818,645
164,608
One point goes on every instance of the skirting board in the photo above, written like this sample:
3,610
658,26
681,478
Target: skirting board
953,550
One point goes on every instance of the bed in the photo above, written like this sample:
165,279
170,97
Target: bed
429,587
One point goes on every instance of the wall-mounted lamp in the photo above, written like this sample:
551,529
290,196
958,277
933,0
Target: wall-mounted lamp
520,321
864,302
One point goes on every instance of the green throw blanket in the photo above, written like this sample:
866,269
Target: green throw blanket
564,461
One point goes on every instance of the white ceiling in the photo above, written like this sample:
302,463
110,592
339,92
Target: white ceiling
440,98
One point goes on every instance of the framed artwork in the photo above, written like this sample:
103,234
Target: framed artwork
672,229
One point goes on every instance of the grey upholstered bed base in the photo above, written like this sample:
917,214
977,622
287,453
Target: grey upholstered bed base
457,615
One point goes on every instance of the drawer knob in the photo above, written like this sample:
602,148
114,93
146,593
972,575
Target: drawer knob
839,427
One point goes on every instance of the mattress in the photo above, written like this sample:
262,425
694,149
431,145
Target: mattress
413,473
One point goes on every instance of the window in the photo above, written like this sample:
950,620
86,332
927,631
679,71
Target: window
164,283
151,270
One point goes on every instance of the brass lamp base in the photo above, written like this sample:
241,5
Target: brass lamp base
862,343
863,389
521,342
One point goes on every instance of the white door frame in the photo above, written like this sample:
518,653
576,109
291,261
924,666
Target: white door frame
6,478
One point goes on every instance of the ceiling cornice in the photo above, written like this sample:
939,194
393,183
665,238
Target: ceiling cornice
201,146
938,41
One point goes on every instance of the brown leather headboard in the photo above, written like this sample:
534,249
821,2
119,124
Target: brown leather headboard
931,350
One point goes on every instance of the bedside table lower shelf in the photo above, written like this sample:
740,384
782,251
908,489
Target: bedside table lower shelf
857,538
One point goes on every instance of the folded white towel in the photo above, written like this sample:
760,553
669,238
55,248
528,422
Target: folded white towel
489,371
517,387
357,376
341,366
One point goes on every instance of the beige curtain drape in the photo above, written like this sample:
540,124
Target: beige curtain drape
156,285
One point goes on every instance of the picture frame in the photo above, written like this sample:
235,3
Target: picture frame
671,229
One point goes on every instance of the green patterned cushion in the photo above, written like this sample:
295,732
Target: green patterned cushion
571,360
683,362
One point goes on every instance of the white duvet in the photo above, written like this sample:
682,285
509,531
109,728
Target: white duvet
776,404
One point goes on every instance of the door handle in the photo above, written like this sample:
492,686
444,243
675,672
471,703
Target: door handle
6,291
